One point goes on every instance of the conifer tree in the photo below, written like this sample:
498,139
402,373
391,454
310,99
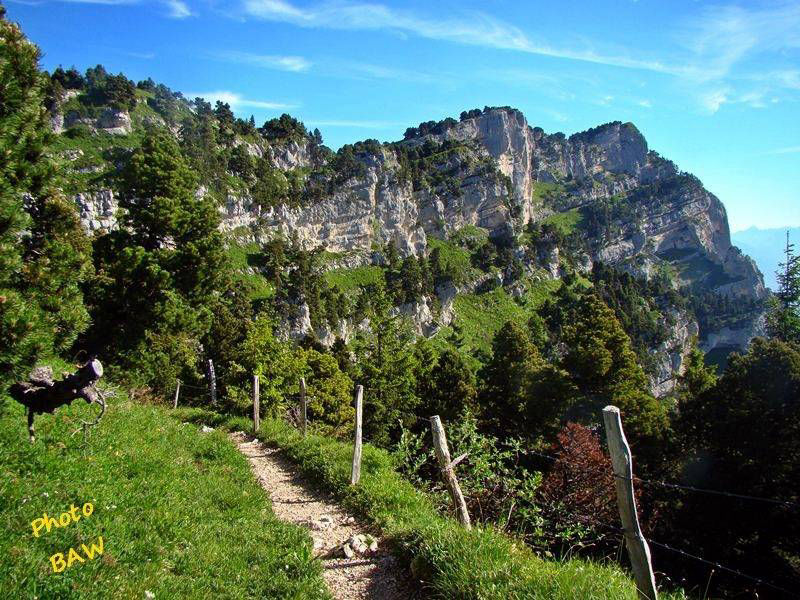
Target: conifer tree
385,366
43,250
159,277
783,314
503,393
603,367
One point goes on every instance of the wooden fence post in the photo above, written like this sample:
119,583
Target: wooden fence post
177,394
212,382
448,472
256,404
622,463
355,474
303,407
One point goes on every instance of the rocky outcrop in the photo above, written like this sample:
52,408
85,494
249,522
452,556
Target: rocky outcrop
670,356
113,121
97,210
116,122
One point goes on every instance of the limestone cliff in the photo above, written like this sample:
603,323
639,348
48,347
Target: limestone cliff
493,170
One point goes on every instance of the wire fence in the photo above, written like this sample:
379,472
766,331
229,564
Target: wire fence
755,579
592,519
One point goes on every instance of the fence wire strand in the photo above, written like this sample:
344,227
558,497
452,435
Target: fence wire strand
756,580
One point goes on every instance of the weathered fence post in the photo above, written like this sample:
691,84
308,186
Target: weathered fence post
448,472
622,463
212,382
177,394
256,404
355,474
303,407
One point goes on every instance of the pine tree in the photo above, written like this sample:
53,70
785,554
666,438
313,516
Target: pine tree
783,314
604,369
503,392
158,279
385,366
42,247
448,388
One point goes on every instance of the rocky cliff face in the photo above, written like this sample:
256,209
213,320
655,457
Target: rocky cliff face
494,171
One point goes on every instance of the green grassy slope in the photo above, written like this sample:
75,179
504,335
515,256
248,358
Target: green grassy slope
179,512
450,562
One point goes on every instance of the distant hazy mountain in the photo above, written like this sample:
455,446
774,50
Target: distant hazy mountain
766,247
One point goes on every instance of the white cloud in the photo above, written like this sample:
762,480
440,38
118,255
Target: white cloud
714,99
473,28
237,101
711,59
178,9
645,103
362,70
107,2
723,36
728,46
295,64
142,55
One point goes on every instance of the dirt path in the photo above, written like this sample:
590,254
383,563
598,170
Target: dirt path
374,575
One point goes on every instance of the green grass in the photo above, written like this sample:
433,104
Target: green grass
351,279
545,193
566,222
469,234
481,316
179,512
455,258
450,561
245,256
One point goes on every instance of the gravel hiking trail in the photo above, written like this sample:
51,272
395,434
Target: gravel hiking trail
373,575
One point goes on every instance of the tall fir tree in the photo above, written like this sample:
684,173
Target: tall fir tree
159,277
783,311
385,366
43,250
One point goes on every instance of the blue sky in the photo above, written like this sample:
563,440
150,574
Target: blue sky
713,86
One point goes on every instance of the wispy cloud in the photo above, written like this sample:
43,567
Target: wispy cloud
178,9
712,100
722,36
710,57
107,2
473,28
363,70
295,64
787,150
142,55
238,101
725,44
357,124
645,103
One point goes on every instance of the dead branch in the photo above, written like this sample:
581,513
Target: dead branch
40,394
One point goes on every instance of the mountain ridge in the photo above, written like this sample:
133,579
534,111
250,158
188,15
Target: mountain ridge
624,205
